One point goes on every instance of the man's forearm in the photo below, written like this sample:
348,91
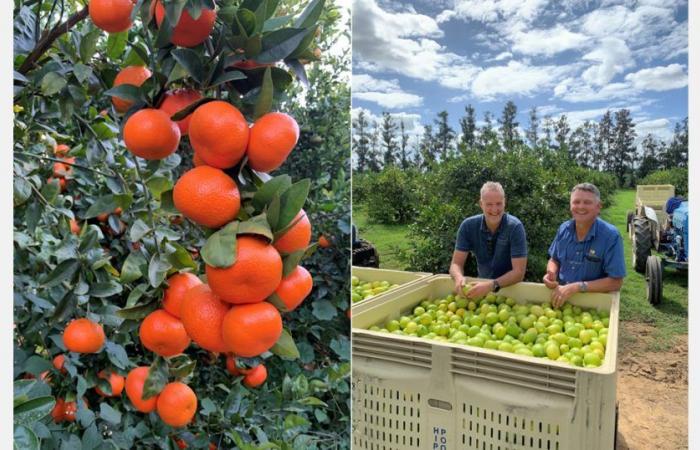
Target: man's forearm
553,268
456,271
508,278
607,284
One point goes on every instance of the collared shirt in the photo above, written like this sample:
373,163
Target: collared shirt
493,252
599,255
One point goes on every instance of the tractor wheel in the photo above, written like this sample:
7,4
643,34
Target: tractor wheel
365,255
654,277
641,243
630,219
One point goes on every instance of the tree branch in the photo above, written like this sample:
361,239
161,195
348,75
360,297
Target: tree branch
45,43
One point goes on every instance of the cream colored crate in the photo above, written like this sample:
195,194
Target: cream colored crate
412,393
403,279
654,195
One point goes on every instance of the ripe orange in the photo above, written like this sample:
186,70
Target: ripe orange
323,242
150,134
112,16
63,169
256,376
134,390
250,330
103,217
61,182
57,412
178,285
253,277
189,32
83,336
163,333
69,410
294,288
177,100
297,237
74,226
181,444
61,150
272,138
207,196
202,314
133,75
177,404
116,381
219,134
232,368
58,363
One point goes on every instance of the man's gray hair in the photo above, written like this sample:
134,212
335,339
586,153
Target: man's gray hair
492,186
587,187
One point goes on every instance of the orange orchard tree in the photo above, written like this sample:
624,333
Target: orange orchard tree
132,307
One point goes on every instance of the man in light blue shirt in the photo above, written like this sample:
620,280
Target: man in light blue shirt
587,254
497,241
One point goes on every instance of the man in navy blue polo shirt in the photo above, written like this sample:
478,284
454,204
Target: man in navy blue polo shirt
587,253
496,239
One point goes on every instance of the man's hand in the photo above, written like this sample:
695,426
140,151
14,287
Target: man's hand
480,289
459,283
561,294
550,280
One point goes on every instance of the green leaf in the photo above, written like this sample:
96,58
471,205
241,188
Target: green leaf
82,72
157,378
89,239
125,92
279,44
277,302
106,289
22,190
220,248
190,109
116,43
158,185
88,44
50,191
33,410
102,205
324,310
274,23
264,103
304,44
136,294
132,267
291,202
273,211
25,439
256,225
310,15
264,195
62,272
137,312
110,414
294,421
35,364
182,367
157,270
190,60
52,83
117,355
228,76
285,347
179,257
138,230
245,21
291,261
312,401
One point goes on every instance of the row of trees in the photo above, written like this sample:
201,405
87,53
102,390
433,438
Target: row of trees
607,145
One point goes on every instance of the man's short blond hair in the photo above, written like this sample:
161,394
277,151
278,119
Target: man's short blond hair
492,186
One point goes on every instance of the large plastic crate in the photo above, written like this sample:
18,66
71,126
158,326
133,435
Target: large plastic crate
412,393
403,279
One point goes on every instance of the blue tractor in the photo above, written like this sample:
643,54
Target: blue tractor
663,228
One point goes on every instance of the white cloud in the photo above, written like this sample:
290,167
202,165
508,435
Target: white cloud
516,12
613,57
516,78
639,27
661,128
391,100
659,78
367,83
577,93
501,56
547,42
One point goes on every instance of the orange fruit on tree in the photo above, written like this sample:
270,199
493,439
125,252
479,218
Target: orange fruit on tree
294,288
62,182
297,237
133,75
232,368
103,217
207,196
163,333
83,336
58,363
254,275
323,242
69,410
134,390
178,285
112,16
63,169
150,134
189,32
176,404
252,329
219,134
177,100
256,377
202,315
57,413
116,381
61,150
272,138
74,226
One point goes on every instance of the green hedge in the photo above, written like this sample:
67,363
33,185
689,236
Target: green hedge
678,177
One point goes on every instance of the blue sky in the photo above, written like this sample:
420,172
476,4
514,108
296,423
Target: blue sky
576,57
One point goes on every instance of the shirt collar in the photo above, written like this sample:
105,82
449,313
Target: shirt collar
591,233
501,225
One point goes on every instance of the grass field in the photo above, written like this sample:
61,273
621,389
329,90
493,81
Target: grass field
670,318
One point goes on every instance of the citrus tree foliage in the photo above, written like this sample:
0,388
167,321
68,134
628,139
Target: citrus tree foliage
677,177
100,240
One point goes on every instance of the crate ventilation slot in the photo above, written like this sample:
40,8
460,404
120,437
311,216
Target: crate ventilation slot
486,429
519,373
390,419
392,350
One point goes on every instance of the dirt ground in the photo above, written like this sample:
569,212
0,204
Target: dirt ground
652,392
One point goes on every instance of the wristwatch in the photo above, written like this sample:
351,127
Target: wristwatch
496,286
583,286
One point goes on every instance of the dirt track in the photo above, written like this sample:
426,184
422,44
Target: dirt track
652,391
